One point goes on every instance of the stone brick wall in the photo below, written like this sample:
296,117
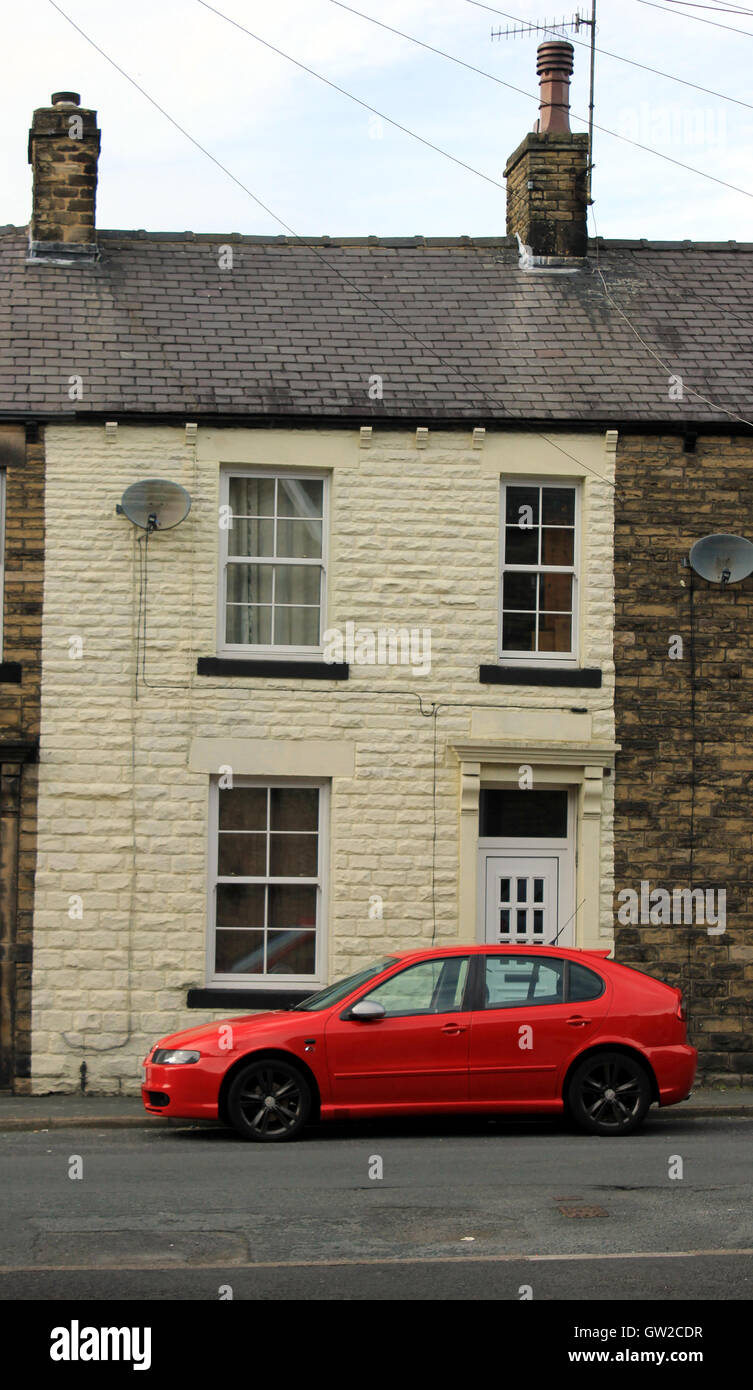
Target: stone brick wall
667,499
124,822
19,724
550,217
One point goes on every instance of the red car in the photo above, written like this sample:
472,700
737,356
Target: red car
454,1029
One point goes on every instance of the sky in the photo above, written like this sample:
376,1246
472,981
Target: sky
322,164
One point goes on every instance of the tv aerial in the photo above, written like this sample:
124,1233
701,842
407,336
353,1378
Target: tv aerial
155,504
722,559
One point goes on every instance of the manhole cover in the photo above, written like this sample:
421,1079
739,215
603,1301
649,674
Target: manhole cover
582,1210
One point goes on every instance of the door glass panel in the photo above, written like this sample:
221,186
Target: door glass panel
431,987
504,890
522,890
538,890
538,921
520,980
522,918
504,920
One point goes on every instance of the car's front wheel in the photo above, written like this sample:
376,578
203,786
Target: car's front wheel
269,1101
609,1094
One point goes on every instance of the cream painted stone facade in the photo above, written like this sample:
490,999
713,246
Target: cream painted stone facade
121,893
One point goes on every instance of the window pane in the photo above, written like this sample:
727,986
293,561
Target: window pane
300,497
291,953
241,855
519,632
296,627
239,952
243,808
252,496
292,905
248,625
249,583
521,547
554,633
517,498
556,592
240,904
295,808
558,506
520,591
250,537
557,547
293,856
297,584
528,814
300,539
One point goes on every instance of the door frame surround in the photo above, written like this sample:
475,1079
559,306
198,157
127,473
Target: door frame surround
517,847
581,766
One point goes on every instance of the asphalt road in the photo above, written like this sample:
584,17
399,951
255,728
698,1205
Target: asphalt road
468,1209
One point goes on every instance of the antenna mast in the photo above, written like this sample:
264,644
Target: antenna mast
578,21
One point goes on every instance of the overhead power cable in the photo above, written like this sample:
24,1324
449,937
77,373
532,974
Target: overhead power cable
481,72
619,57
699,19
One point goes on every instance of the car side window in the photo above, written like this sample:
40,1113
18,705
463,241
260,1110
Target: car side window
583,984
511,981
431,987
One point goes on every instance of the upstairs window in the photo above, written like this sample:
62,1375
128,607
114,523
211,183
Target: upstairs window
273,562
539,574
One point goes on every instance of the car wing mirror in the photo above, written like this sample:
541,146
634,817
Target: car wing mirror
366,1011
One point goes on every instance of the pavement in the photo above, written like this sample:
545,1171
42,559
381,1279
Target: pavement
79,1111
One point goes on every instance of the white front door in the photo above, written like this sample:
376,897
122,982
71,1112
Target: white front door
523,899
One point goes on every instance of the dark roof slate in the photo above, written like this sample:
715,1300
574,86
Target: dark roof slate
454,327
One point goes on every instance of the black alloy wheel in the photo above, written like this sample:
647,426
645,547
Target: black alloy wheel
609,1094
269,1101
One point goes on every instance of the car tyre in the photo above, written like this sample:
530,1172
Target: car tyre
269,1101
609,1094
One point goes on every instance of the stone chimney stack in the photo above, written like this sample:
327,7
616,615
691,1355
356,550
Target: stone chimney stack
547,174
63,152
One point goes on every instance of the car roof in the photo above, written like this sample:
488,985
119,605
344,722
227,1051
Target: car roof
460,949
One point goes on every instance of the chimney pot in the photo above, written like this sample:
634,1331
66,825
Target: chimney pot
65,99
554,65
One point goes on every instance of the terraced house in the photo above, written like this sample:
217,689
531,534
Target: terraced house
329,597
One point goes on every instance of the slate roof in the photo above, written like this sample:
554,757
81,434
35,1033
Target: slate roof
155,328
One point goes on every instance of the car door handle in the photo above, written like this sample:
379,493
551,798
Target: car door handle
454,1028
577,1022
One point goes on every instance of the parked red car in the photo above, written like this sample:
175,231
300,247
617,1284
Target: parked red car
456,1029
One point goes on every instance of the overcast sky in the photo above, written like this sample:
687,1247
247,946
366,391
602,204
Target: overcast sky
325,165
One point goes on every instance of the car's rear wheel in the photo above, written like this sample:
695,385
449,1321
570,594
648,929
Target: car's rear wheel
609,1094
269,1101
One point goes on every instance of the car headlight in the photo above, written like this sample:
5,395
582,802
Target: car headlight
168,1056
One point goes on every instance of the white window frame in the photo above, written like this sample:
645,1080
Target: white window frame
321,881
271,652
551,660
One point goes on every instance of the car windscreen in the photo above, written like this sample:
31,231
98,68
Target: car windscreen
332,994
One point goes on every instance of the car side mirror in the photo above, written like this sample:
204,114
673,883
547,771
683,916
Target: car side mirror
367,1011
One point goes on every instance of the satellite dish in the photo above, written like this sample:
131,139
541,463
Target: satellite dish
722,559
155,504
